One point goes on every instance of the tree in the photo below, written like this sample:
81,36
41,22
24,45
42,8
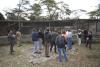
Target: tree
64,11
36,11
78,13
96,13
1,16
52,9
21,10
18,13
92,14
50,6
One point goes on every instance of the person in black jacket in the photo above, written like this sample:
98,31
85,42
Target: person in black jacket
85,32
89,39
54,34
41,36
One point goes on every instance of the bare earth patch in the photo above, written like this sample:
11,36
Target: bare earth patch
79,56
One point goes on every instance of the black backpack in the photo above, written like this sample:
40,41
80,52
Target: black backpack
60,41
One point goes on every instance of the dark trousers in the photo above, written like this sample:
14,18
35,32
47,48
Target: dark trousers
11,47
47,49
88,43
53,44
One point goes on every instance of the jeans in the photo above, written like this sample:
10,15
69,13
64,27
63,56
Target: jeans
40,43
60,50
69,43
36,46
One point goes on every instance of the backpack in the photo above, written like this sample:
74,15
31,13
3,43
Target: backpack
60,41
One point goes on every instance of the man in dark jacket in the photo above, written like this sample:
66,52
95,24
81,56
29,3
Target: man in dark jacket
54,34
60,42
89,39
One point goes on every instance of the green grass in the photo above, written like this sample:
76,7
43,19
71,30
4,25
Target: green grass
82,58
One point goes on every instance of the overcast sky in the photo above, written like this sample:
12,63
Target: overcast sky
87,5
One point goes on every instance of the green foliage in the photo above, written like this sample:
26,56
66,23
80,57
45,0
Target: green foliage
36,11
18,13
96,13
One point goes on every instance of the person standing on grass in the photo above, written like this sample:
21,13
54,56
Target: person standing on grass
60,42
89,39
85,32
47,37
12,40
18,38
35,39
65,36
40,40
79,36
54,34
69,39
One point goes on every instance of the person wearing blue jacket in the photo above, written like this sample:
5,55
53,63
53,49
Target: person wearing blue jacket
35,39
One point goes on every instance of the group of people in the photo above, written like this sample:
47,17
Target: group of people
13,38
58,39
87,37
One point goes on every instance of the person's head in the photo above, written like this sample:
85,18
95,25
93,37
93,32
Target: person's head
39,30
90,32
59,32
79,30
47,30
55,30
63,32
69,30
11,31
34,30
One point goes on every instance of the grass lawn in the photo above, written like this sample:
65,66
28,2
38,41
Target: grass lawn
83,57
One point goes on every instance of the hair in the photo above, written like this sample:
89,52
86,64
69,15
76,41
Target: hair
47,29
63,32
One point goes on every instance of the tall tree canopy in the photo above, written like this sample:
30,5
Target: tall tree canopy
96,13
18,13
39,10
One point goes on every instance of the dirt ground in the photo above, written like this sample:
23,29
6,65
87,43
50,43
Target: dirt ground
79,56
